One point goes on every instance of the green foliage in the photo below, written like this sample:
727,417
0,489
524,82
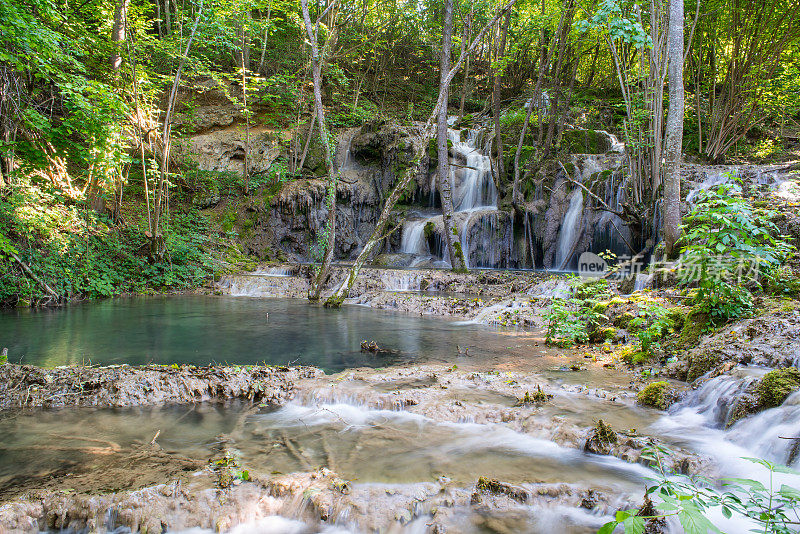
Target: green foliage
348,116
727,245
593,289
689,499
619,25
653,323
570,321
79,252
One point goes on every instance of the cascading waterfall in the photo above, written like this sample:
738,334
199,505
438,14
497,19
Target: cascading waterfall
570,227
474,203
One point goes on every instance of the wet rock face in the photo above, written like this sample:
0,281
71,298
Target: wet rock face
28,386
369,160
771,340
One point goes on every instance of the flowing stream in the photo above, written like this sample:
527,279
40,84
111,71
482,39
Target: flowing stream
348,426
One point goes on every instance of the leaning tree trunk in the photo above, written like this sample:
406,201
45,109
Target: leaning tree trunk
443,174
338,296
330,228
672,184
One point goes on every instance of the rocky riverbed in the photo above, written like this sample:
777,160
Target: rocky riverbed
144,486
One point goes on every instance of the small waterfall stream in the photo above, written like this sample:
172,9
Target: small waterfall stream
569,230
474,201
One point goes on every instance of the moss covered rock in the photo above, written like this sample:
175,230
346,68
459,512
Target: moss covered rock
699,363
769,392
586,142
658,395
601,439
776,386
693,325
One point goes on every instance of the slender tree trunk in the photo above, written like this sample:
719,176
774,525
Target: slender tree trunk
161,190
443,174
377,236
465,85
118,32
159,27
264,43
672,186
245,169
167,16
498,74
333,174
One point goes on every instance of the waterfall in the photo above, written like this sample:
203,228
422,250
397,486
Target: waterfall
765,433
569,229
711,180
474,202
274,271
401,281
413,241
477,188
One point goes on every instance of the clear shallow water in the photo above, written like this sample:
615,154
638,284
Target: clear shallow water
203,330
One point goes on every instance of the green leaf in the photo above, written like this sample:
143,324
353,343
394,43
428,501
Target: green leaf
634,525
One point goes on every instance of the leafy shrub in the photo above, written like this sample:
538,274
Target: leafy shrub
78,252
689,499
728,241
570,321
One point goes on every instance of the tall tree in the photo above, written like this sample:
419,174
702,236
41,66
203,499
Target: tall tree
118,32
333,174
443,174
674,129
157,245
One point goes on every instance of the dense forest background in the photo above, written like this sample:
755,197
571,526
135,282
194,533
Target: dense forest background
95,97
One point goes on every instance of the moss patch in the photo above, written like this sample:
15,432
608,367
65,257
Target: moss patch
658,395
776,386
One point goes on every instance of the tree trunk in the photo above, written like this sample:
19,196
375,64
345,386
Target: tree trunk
333,175
118,32
465,85
377,235
672,186
498,74
167,17
443,174
161,190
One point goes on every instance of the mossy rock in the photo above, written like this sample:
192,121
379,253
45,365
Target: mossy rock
769,392
429,229
658,395
776,386
694,324
585,142
701,363
599,335
624,320
601,439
